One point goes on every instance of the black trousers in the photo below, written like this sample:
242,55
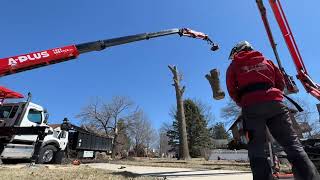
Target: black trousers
275,115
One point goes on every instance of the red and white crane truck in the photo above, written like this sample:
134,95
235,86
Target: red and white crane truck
24,133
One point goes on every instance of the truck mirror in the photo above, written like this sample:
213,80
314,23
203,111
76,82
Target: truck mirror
318,108
46,118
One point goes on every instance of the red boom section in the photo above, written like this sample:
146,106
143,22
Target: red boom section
287,34
7,93
303,75
290,84
34,60
38,59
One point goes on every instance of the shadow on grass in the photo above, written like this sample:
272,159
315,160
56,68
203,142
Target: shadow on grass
189,173
170,162
192,173
126,174
215,168
226,165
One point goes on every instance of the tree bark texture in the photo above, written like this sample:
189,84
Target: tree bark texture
183,145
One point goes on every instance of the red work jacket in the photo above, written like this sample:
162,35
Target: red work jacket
251,67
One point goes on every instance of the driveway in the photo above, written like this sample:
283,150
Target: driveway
176,173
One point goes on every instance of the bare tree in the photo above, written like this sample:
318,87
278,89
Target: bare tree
205,109
104,116
164,146
231,111
183,145
140,131
303,116
304,121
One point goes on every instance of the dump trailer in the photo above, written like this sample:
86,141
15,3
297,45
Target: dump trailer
83,143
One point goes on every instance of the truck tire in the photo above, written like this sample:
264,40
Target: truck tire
58,157
47,155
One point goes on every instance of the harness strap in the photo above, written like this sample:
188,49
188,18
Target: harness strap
253,87
264,86
299,108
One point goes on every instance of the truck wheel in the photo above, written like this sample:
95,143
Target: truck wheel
47,154
58,157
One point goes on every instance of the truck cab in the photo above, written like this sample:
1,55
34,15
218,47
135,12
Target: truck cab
22,114
25,134
28,114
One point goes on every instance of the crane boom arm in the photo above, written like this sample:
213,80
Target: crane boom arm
310,86
289,82
16,64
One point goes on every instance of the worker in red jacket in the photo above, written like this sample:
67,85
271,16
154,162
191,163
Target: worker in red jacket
257,85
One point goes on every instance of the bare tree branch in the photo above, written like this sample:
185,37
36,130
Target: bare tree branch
107,115
230,112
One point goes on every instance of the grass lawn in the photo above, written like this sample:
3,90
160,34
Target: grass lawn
63,172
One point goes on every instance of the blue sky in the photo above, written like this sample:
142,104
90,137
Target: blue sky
139,70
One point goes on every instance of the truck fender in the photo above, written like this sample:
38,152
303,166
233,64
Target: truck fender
51,142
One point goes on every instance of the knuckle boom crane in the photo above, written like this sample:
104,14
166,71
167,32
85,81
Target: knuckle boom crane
34,60
305,79
310,86
15,124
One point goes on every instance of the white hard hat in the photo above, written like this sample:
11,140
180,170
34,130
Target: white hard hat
241,46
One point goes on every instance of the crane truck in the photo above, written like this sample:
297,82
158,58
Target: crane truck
24,132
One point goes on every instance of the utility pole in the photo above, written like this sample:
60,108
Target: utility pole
183,144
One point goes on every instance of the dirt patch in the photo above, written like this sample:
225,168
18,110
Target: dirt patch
63,172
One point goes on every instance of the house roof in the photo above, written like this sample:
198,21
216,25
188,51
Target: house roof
235,122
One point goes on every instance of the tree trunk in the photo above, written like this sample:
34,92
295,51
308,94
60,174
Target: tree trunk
183,145
115,144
